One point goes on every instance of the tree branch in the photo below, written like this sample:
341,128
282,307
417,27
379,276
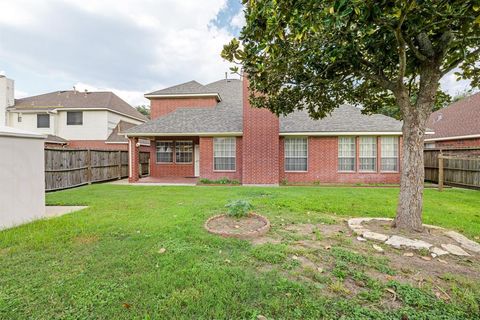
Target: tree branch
415,51
456,62
377,75
402,52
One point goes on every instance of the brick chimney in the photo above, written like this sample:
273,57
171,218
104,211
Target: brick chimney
260,143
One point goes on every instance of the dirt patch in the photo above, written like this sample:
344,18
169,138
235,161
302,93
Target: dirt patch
85,239
248,227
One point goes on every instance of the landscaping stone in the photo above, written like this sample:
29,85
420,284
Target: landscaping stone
455,250
464,241
399,242
375,236
378,248
438,251
408,254
361,239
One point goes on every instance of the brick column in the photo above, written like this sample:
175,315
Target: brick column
133,159
260,143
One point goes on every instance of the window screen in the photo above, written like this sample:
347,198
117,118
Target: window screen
224,153
296,154
183,151
389,150
346,153
74,118
368,153
165,151
43,121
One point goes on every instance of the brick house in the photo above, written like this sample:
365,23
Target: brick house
457,125
211,131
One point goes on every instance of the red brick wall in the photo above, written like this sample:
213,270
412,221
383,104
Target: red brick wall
458,143
134,159
260,143
96,144
171,169
323,165
206,161
161,106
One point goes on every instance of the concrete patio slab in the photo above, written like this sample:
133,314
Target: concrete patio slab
56,211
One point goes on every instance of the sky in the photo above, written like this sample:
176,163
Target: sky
130,47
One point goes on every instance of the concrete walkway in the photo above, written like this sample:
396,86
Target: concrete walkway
56,211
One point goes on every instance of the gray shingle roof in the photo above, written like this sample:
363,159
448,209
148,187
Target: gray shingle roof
345,118
191,87
77,100
227,116
55,139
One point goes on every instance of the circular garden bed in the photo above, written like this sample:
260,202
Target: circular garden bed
251,226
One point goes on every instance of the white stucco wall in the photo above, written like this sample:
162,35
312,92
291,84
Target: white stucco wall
97,124
22,177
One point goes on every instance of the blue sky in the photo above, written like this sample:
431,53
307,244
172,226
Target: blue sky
127,46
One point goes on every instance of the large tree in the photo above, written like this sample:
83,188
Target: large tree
316,55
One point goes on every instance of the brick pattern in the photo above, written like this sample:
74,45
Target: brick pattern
260,143
98,144
162,106
323,165
206,161
458,143
134,160
171,169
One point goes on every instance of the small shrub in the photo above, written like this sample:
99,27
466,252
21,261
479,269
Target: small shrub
283,182
239,208
223,180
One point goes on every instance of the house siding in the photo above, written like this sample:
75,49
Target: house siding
323,165
161,107
206,161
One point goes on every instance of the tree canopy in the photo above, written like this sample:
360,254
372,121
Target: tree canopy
319,54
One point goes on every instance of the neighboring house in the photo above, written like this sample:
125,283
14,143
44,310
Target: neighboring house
74,119
457,125
211,131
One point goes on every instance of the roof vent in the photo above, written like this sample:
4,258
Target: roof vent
74,90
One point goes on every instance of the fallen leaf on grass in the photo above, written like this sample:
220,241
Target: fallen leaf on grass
408,254
162,250
393,293
442,261
126,305
427,258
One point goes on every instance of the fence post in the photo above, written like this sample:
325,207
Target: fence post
119,164
89,167
440,172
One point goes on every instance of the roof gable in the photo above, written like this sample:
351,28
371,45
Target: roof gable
191,88
78,100
461,118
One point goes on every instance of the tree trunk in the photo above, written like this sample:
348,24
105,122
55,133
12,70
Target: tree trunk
410,204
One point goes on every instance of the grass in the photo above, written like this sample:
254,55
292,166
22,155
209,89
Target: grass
104,262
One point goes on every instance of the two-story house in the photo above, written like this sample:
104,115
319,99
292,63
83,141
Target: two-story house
72,118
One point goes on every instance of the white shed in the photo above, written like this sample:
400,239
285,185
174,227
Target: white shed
22,177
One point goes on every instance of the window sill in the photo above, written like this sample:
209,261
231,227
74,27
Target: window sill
296,171
389,171
347,171
359,171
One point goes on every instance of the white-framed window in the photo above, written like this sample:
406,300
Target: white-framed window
19,117
296,154
224,153
165,151
43,120
368,154
346,154
389,153
183,151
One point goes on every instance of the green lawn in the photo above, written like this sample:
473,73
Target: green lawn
103,262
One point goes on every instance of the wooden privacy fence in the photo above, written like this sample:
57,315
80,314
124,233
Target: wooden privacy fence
456,167
68,168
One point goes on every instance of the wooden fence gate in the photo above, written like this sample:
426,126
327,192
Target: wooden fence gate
68,168
453,166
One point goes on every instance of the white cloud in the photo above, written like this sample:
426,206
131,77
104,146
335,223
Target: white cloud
130,45
453,87
238,20
20,94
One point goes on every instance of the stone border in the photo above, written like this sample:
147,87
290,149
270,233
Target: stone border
355,224
247,235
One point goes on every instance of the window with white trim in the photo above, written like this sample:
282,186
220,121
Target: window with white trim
224,153
296,154
165,151
183,151
368,154
74,118
389,150
346,154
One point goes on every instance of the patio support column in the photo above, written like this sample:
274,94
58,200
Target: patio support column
133,159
